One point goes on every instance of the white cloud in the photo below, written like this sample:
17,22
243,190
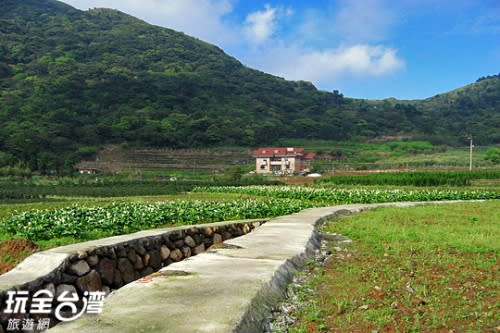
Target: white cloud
328,65
324,46
260,26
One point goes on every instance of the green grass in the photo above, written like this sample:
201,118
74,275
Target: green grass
426,269
391,154
464,227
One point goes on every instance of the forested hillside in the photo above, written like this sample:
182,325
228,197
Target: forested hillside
473,109
72,81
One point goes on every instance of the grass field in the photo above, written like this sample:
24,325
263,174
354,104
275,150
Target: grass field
391,154
432,268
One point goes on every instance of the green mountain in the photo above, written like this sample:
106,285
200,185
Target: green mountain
72,81
470,110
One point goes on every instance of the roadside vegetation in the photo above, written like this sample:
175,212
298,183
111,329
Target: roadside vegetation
432,268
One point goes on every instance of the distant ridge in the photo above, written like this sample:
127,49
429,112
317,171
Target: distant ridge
73,81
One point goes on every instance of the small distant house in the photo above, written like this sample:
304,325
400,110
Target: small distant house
87,171
282,161
86,168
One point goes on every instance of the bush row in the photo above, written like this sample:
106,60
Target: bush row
424,178
329,196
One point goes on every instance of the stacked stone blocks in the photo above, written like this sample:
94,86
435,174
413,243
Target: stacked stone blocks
110,267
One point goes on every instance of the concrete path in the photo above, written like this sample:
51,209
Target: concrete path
230,289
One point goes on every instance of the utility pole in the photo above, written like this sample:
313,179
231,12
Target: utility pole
470,153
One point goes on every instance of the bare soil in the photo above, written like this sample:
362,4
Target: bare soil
14,251
113,158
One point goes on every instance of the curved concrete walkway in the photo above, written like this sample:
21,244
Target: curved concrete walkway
231,289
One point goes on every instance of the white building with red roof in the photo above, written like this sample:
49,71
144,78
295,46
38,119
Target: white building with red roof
282,160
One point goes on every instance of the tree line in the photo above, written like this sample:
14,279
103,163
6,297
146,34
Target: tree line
72,81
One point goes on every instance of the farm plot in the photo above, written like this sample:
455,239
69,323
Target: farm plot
84,223
331,196
60,226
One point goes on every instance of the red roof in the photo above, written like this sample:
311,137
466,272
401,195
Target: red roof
309,156
281,152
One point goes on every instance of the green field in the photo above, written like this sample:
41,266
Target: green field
395,154
54,213
418,178
432,268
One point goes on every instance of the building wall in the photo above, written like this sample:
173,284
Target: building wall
262,165
281,165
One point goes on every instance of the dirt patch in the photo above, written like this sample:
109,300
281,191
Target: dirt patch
113,158
300,180
14,251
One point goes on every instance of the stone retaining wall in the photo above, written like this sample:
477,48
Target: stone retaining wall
108,264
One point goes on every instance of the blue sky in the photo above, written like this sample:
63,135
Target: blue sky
407,49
